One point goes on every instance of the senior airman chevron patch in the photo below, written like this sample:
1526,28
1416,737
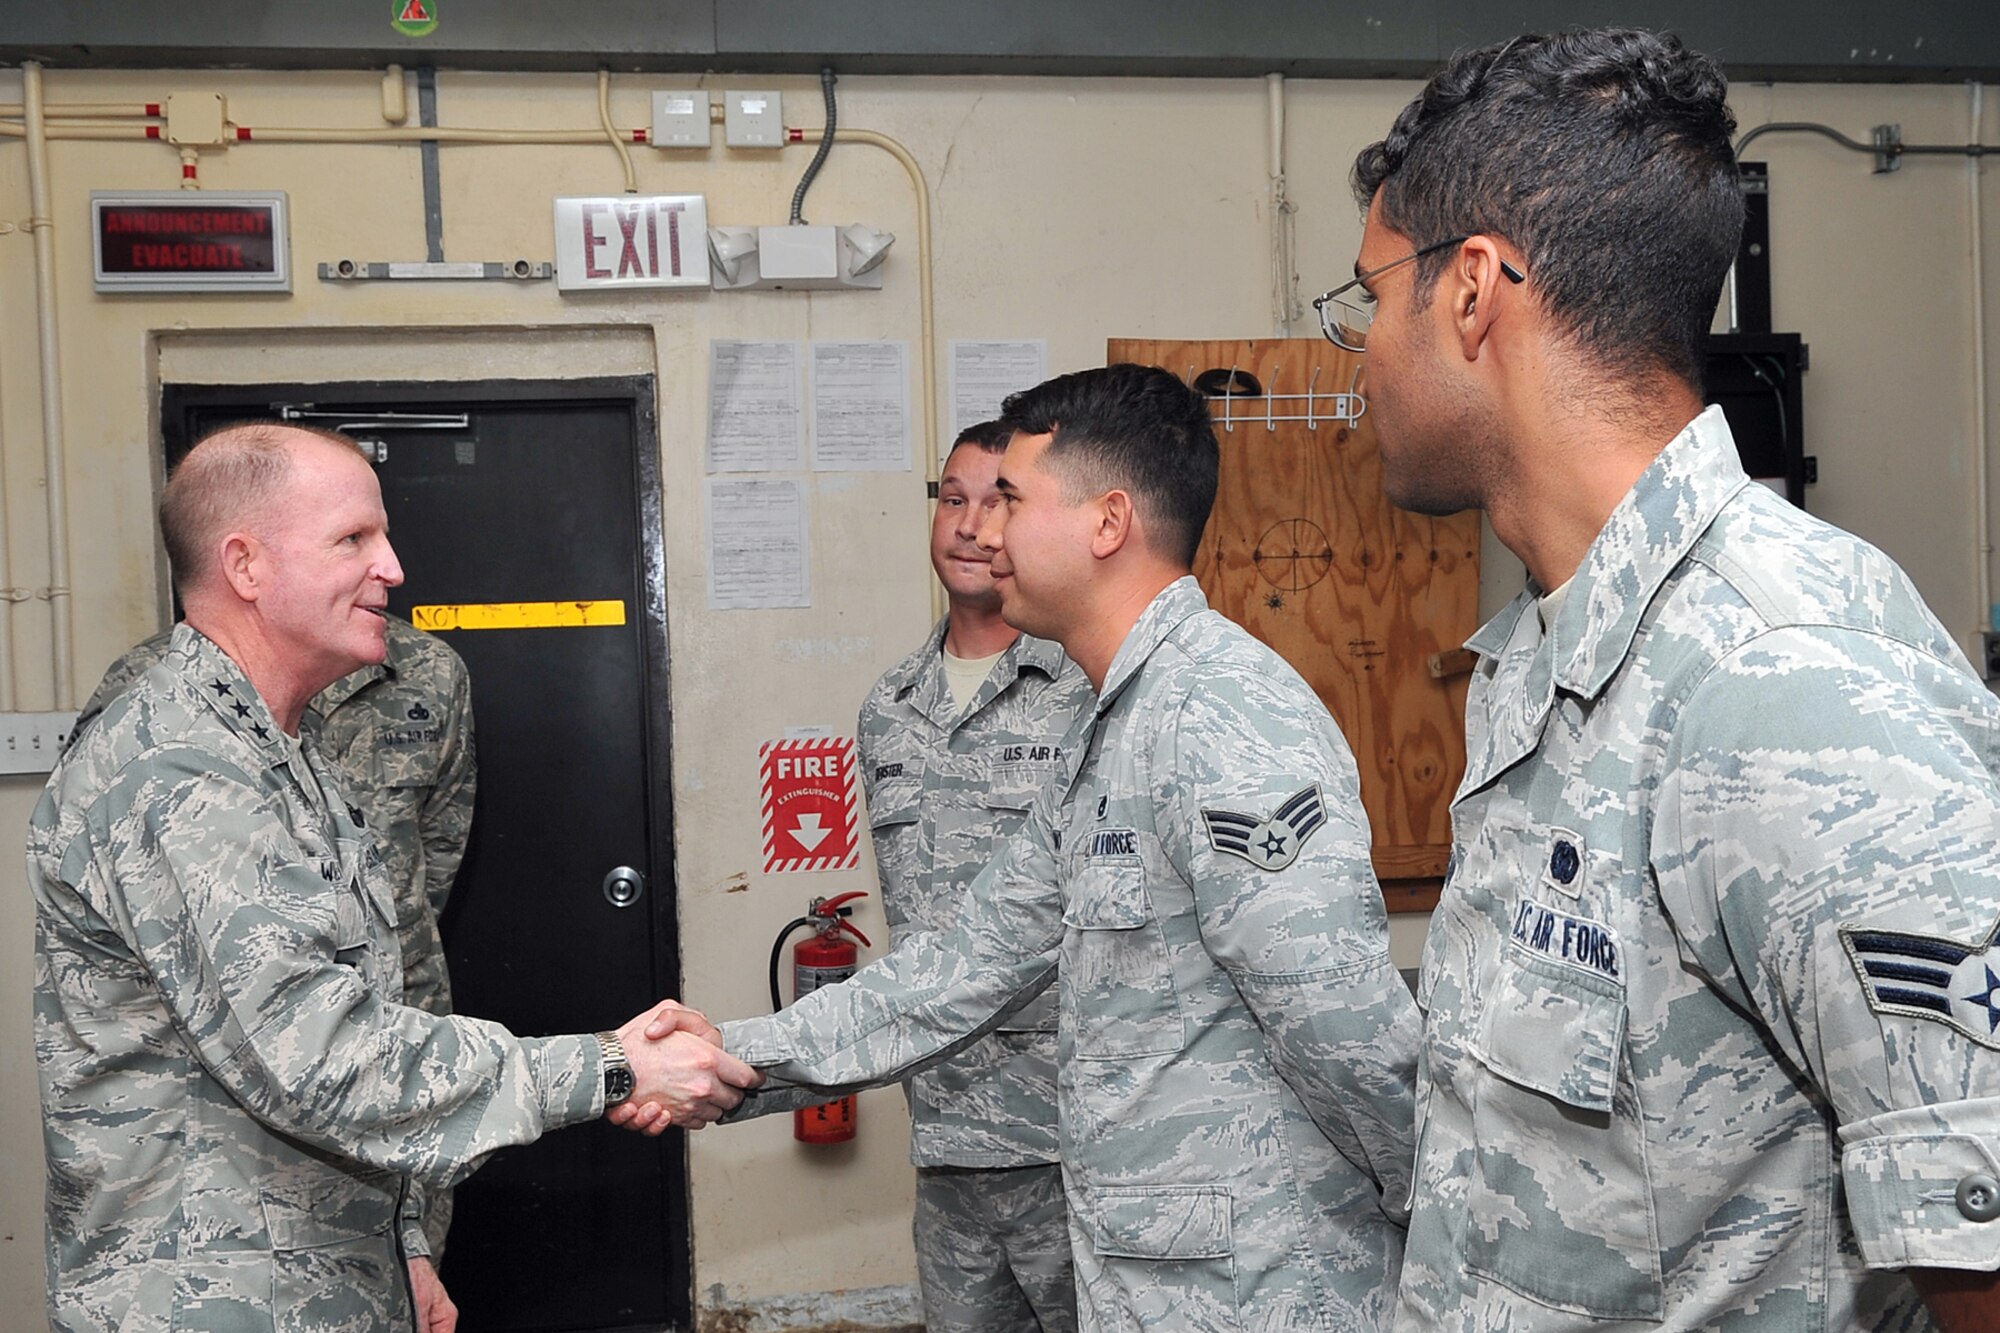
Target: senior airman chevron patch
1929,976
1269,842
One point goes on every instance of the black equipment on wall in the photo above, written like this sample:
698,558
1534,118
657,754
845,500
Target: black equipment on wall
1755,379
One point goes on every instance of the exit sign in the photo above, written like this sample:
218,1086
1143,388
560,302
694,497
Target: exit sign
190,241
631,240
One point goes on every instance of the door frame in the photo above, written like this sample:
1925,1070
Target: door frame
639,393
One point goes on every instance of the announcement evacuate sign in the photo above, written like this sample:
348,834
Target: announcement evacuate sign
185,241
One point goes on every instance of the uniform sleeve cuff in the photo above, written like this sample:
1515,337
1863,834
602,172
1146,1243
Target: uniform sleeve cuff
569,1078
1923,1187
755,1041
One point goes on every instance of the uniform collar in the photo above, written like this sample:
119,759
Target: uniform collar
1642,543
227,692
1163,615
919,678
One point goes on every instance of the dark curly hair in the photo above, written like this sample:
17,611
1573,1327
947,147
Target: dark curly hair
1605,156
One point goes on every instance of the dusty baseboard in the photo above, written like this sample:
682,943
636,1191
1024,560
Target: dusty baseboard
897,1309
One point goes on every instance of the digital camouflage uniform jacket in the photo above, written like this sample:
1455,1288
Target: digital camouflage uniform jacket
1711,1014
400,736
1235,1052
232,1098
946,788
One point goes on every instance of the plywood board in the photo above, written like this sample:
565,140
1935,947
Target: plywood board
1305,552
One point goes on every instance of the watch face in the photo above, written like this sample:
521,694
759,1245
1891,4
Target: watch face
617,1083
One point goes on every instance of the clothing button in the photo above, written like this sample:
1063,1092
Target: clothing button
1979,1197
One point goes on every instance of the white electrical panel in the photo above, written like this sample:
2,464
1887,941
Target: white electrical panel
753,120
32,742
680,119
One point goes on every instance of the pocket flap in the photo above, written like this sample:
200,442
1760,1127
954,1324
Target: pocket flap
1108,895
894,802
1556,1031
1015,786
1161,1222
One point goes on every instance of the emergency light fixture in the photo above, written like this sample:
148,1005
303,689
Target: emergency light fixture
797,258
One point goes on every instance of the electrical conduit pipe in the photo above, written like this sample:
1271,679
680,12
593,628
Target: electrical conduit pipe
40,222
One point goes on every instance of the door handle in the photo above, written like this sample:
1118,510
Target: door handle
623,886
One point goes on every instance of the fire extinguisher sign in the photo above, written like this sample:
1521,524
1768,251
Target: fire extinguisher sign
809,805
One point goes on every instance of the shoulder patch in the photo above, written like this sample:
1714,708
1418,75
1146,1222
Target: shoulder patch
1930,976
1269,842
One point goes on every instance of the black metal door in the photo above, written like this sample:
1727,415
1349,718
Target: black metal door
549,493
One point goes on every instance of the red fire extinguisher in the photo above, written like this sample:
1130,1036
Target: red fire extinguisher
821,959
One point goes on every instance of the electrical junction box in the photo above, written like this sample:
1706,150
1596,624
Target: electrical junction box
196,119
753,120
680,119
32,742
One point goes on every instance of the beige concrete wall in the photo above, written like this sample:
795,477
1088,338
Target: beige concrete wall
1071,210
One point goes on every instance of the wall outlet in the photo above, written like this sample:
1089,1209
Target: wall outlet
32,742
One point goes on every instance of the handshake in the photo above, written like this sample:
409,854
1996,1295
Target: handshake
681,1075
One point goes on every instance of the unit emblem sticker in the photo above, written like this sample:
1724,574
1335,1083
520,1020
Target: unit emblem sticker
1269,842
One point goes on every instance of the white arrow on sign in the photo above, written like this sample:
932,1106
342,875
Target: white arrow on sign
809,834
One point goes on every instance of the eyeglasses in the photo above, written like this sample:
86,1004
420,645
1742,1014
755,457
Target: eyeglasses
1345,319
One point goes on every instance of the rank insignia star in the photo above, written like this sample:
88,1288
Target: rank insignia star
1269,842
1932,977
242,709
221,687
263,732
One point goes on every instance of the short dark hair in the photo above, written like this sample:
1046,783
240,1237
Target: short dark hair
1131,428
1604,154
992,436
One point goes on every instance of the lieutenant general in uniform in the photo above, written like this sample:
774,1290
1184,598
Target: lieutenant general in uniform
955,741
1710,1010
238,1112
1235,1052
399,734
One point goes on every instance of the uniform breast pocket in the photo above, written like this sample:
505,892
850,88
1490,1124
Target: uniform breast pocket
1117,980
1562,1209
405,757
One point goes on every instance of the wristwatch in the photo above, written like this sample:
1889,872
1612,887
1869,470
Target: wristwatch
618,1082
